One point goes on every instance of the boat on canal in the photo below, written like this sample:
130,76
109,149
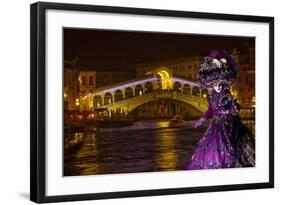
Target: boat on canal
177,121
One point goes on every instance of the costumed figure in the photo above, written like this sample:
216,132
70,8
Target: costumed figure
227,143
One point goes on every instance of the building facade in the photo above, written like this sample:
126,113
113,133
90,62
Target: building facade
79,86
71,85
87,81
244,87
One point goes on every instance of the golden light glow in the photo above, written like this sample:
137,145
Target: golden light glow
77,103
165,79
167,157
204,95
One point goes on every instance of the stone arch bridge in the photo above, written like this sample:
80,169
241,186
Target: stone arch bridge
158,84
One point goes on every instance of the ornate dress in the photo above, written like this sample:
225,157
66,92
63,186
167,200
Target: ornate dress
227,143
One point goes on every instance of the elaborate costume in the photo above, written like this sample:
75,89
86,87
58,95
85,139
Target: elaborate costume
227,143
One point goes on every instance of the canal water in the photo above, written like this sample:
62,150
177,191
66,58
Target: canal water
144,146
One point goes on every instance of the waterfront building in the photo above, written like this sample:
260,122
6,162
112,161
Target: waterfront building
87,81
244,87
71,85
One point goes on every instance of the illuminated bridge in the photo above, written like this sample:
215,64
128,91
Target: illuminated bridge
159,84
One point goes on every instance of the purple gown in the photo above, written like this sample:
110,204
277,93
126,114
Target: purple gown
227,143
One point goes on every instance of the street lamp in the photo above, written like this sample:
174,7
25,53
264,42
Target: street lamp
77,103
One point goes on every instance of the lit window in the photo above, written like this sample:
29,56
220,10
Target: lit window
91,80
84,80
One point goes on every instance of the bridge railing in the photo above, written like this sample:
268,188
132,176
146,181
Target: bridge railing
130,103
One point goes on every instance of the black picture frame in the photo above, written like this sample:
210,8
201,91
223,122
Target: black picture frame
38,101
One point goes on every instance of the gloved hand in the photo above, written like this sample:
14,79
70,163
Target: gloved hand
198,123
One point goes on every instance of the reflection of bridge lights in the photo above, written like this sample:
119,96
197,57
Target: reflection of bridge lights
109,100
140,92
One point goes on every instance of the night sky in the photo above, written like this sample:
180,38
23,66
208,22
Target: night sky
103,50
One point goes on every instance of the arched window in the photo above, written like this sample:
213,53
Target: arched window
97,101
177,86
148,87
128,92
186,89
118,95
195,91
108,98
138,90
84,80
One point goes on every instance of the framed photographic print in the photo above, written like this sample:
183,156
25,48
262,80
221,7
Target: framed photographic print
129,102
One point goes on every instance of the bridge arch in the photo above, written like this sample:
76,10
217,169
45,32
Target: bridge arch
108,98
195,109
163,76
177,86
148,87
196,91
129,93
97,101
186,89
118,95
138,90
131,103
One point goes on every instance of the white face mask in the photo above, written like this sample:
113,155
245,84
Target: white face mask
219,63
217,87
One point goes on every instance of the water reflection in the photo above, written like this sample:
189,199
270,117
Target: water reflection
166,158
145,146
87,158
142,147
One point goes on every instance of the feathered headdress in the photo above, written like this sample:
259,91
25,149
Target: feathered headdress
217,67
